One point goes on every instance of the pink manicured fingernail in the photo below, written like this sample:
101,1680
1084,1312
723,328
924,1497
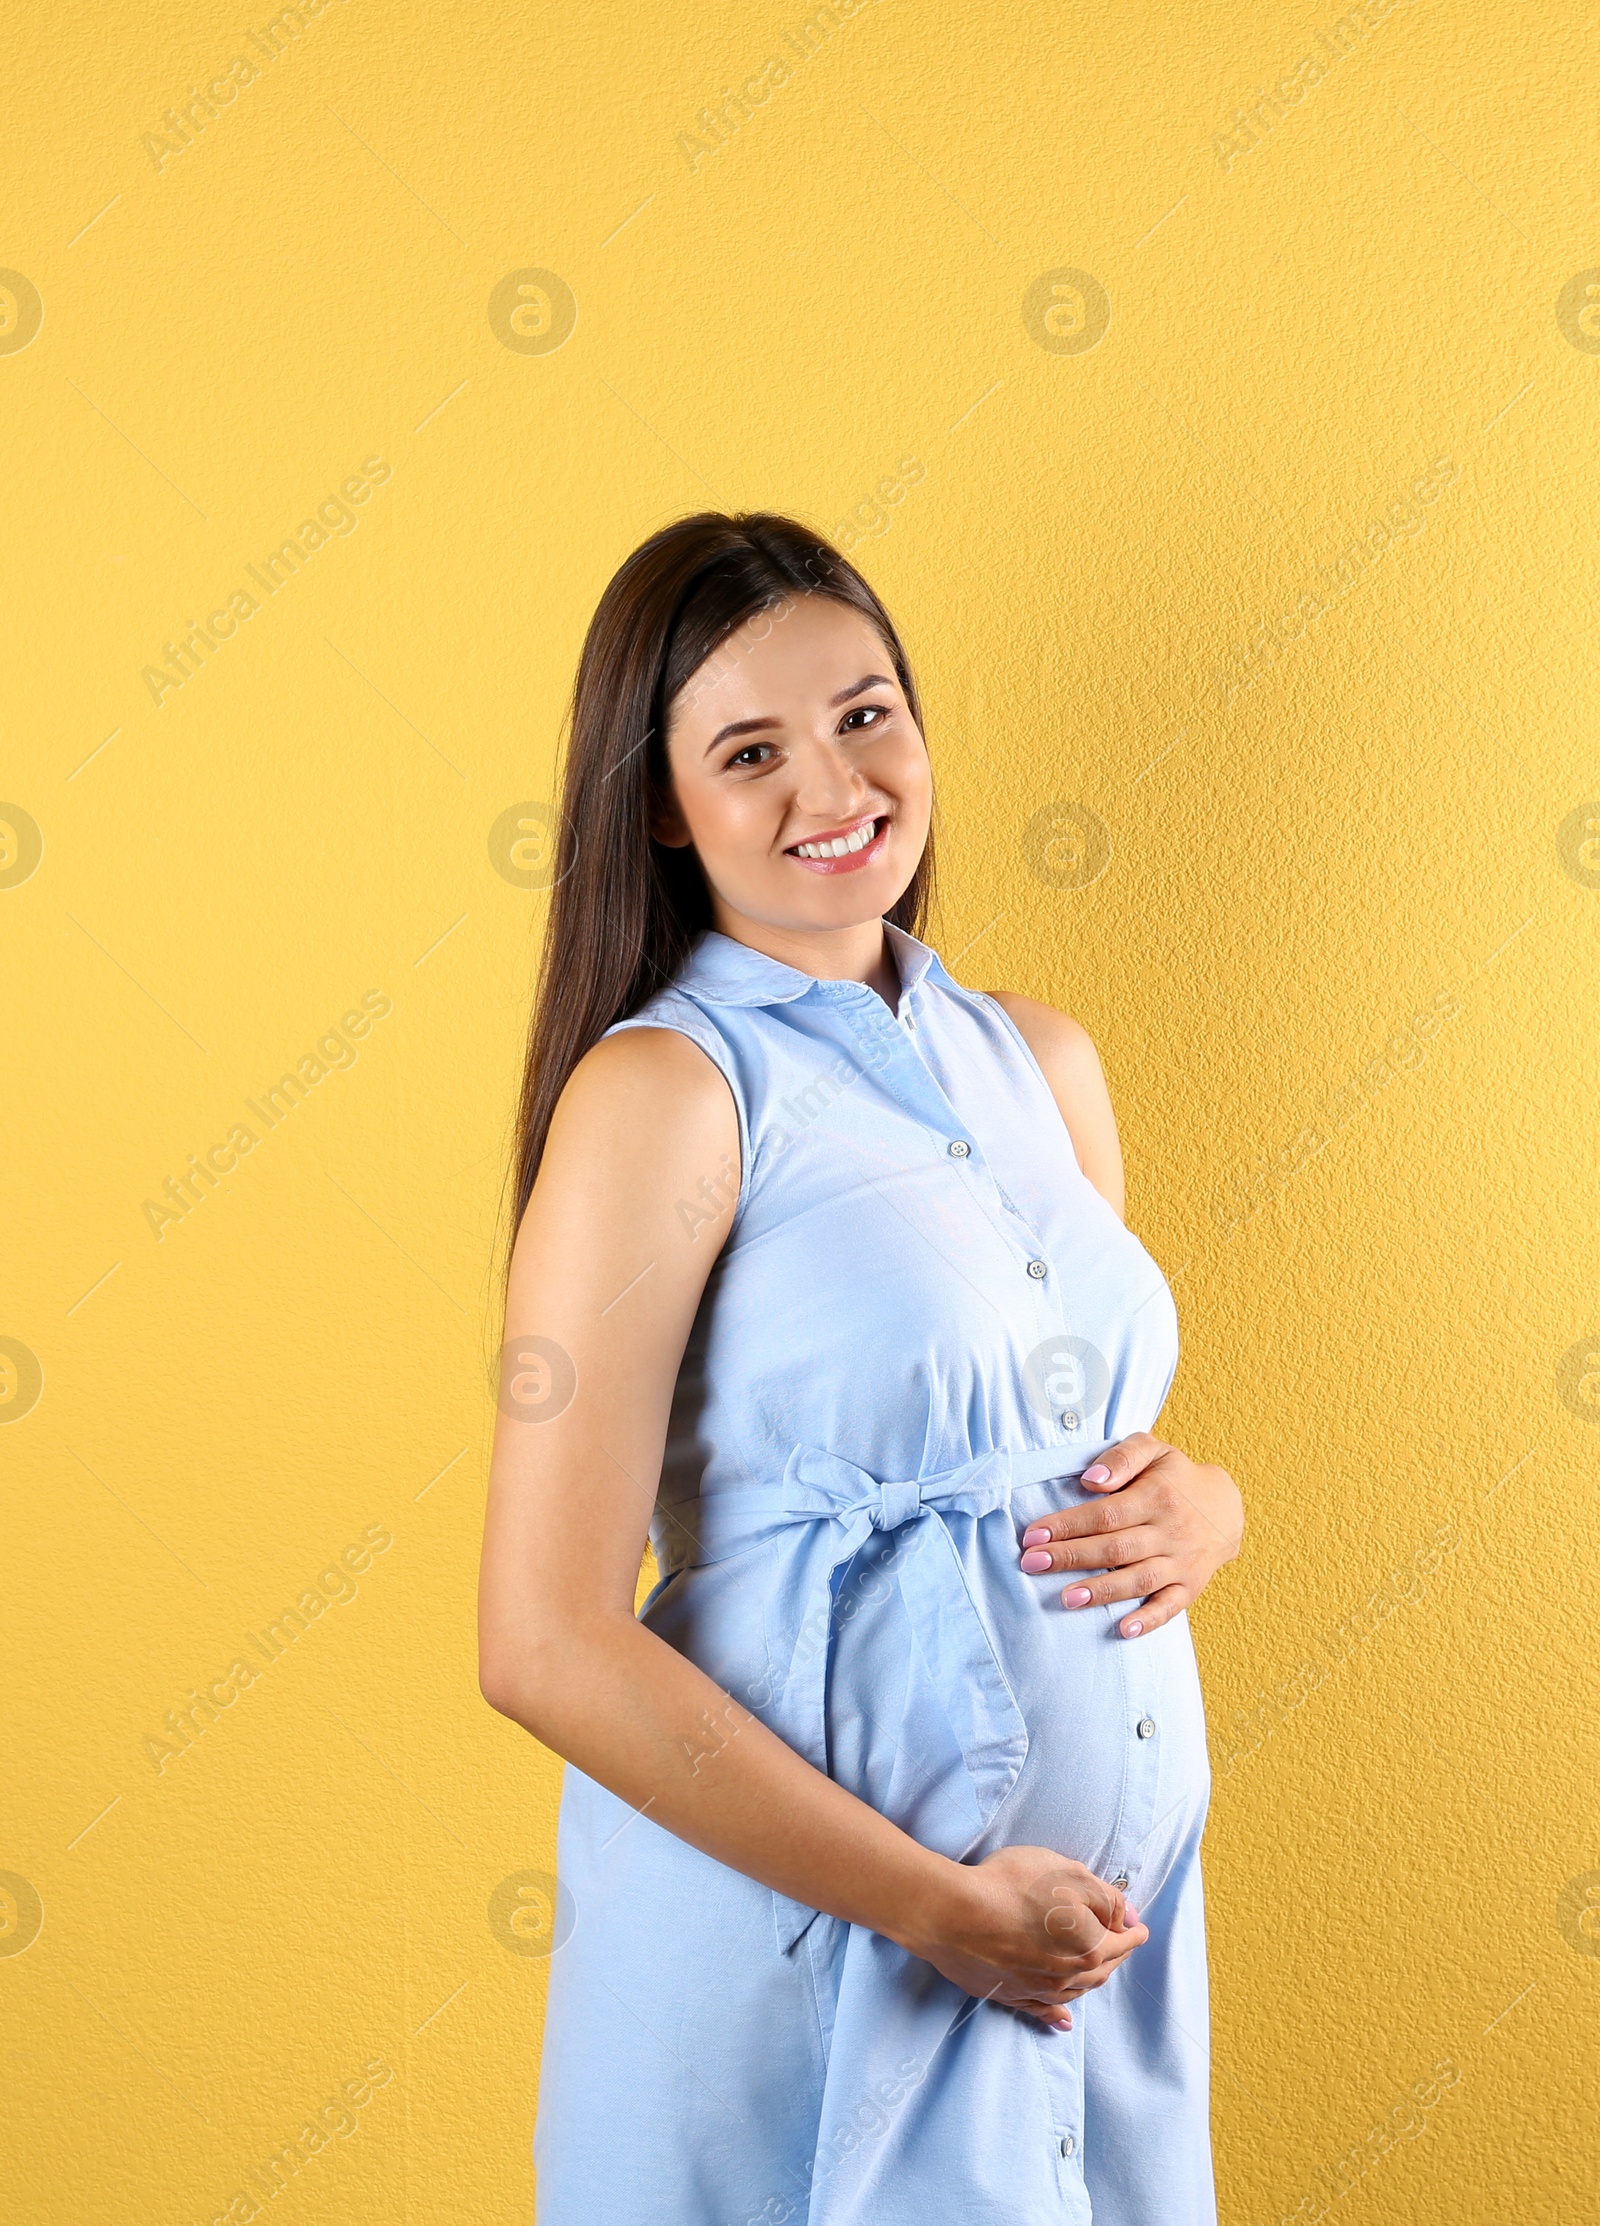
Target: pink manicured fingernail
1035,1562
1130,1913
1099,1474
1134,1629
1038,1535
1077,1596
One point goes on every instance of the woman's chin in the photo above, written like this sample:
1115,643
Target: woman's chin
822,904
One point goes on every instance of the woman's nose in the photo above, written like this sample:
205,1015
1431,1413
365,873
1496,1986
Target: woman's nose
827,782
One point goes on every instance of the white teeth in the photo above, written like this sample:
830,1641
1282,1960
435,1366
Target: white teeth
840,846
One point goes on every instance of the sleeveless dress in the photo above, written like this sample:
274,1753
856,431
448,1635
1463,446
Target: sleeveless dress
925,1323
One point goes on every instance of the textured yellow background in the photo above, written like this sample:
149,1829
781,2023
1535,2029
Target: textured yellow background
1340,963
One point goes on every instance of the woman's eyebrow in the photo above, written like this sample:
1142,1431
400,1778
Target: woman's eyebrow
756,726
873,680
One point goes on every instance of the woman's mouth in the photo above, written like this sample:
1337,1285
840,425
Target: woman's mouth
844,849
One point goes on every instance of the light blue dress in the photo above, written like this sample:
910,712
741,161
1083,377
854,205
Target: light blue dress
924,1325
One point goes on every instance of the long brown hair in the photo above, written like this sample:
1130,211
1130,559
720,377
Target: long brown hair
625,910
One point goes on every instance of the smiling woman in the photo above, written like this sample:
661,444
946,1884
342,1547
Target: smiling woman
680,626
856,1801
856,807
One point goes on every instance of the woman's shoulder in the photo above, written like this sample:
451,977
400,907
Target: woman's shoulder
1047,1029
643,1141
645,1110
667,1049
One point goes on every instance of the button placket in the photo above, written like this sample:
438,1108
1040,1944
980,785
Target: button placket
886,1030
1142,1697
1060,2057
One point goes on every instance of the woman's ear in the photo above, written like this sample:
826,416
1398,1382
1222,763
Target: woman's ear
667,822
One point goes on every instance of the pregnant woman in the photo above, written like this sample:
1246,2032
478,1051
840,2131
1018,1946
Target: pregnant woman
880,1896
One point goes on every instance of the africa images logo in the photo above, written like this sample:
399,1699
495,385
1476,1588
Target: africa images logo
335,519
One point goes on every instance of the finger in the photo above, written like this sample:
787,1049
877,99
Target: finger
1171,1483
1137,1583
1098,1977
1094,1518
1043,1994
1160,1608
1130,1942
1123,1462
1074,1931
1114,1942
1085,1910
1110,1549
1033,1991
1116,1916
1115,1952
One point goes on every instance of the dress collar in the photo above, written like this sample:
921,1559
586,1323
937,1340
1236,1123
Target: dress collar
722,971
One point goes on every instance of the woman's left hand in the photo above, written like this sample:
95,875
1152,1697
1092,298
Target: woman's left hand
1160,1532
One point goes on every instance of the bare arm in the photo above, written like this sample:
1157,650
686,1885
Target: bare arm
1071,1065
605,1266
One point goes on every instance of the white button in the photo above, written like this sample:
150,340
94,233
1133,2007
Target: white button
1067,2144
1038,1270
1147,1727
959,1149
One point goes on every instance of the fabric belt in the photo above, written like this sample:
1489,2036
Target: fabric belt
947,1624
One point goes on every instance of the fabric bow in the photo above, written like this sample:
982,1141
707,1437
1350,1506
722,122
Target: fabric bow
950,1630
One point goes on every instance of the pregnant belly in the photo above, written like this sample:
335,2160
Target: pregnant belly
1115,1773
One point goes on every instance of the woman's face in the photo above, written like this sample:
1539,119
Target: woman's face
794,734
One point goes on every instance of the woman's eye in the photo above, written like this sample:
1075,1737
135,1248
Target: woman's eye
756,753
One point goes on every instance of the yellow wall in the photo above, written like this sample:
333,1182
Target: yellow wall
1303,857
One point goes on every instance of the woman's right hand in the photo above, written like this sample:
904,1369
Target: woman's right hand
1031,1930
